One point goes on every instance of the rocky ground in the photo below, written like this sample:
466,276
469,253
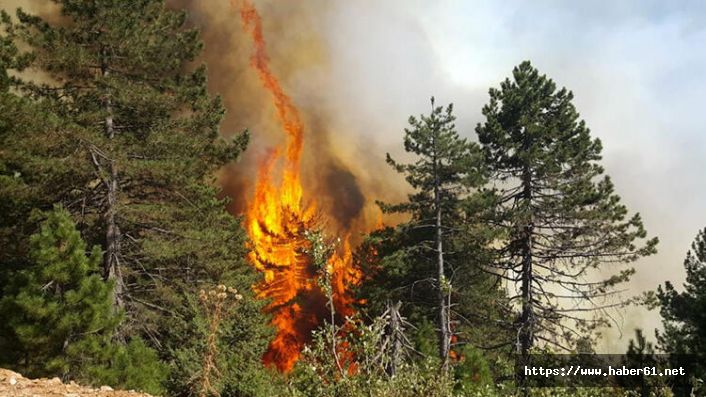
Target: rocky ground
13,384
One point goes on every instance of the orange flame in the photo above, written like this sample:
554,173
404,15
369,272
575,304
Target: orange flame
277,217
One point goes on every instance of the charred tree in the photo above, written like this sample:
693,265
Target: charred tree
396,342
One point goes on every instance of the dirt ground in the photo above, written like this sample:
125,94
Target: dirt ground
13,384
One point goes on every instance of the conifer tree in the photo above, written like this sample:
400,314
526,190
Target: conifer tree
424,257
146,129
18,116
59,319
59,306
684,313
560,215
131,152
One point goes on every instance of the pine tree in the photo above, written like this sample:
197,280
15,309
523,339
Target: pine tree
641,354
18,117
59,315
59,298
560,215
132,153
128,366
423,259
146,130
59,303
684,313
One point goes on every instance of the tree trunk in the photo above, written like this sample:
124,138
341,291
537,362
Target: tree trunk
396,338
444,326
112,238
111,262
525,334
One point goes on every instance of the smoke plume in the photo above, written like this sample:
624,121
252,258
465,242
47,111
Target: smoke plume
343,170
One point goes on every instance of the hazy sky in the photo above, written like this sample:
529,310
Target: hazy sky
636,69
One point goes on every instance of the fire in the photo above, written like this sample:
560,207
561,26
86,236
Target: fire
277,217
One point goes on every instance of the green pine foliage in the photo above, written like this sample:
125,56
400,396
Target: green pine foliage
473,372
560,214
473,377
141,122
130,366
59,319
685,321
684,312
19,117
59,298
59,305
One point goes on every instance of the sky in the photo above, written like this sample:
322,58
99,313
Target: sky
636,69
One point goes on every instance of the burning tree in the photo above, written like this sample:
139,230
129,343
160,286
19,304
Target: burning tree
278,218
561,216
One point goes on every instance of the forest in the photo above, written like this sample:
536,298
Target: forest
127,261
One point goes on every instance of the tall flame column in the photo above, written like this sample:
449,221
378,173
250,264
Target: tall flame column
277,217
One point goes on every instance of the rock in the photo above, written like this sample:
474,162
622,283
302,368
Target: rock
13,384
